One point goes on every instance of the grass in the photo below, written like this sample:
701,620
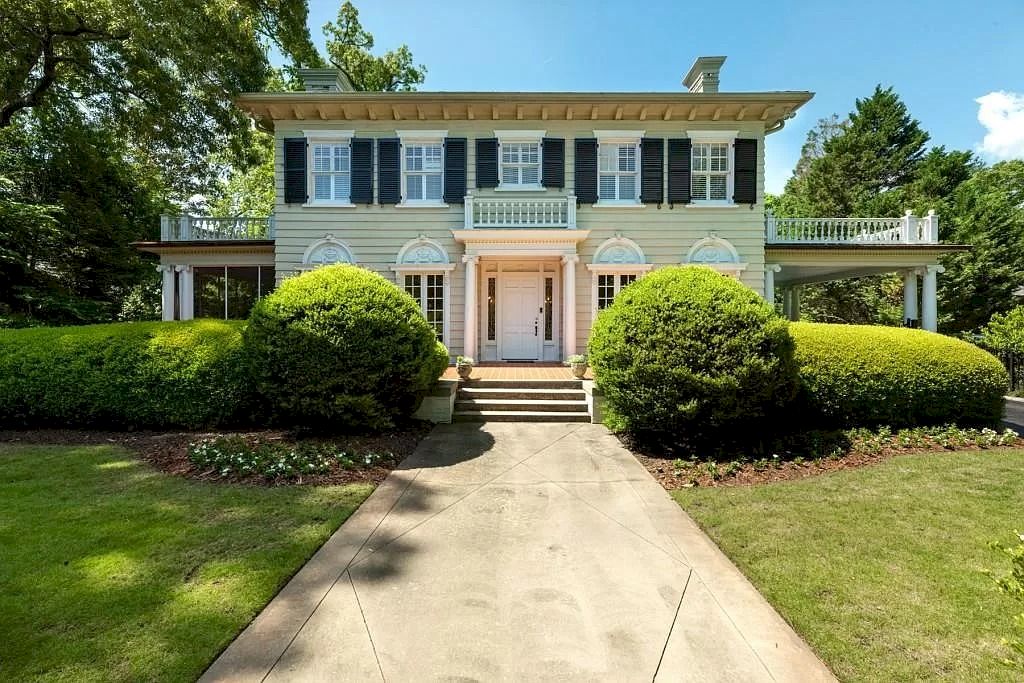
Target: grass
110,570
879,568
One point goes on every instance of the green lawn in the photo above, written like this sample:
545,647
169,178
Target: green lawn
110,570
879,567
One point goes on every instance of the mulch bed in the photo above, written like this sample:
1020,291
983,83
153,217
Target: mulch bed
672,477
168,451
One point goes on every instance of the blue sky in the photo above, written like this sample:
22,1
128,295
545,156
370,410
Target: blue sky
941,55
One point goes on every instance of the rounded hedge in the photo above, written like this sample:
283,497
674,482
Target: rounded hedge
865,375
342,348
136,375
686,356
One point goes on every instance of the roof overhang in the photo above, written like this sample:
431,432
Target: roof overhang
207,247
809,263
768,108
520,242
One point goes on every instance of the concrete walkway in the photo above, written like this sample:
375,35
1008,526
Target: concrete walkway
509,551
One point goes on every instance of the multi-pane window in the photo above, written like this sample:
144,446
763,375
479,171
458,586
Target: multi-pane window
424,167
492,308
428,291
609,285
618,179
332,172
710,171
520,163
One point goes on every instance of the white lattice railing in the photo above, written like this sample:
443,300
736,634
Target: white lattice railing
185,228
909,229
521,213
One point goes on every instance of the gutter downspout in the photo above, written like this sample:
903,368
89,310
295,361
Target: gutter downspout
779,125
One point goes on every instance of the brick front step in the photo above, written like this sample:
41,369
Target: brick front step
518,416
522,394
507,405
521,400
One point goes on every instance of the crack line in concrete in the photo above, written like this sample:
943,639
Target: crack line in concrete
369,635
458,500
664,648
338,577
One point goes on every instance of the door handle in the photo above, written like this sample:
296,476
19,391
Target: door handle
535,327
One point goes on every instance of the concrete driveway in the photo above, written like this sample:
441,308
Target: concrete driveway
509,551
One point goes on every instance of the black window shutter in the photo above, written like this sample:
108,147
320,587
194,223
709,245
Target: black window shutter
652,178
295,191
487,162
553,155
585,170
362,171
389,171
744,190
679,171
455,170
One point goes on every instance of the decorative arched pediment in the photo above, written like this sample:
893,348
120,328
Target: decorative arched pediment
713,250
327,251
422,252
619,250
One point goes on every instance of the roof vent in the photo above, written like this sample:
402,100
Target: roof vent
325,80
703,75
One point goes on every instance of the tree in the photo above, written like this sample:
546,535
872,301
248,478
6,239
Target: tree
987,214
349,48
162,74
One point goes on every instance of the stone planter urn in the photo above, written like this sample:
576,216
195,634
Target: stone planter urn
579,370
464,366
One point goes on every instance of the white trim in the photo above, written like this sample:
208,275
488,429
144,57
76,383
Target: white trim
730,175
713,240
421,241
705,135
423,267
328,135
422,135
329,205
618,204
713,204
445,271
619,136
623,243
425,204
520,236
518,188
520,135
337,140
608,268
637,269
324,241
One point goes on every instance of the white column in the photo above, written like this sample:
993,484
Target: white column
769,281
794,303
470,317
166,291
185,296
569,305
929,298
909,295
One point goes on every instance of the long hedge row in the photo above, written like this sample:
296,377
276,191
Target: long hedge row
129,375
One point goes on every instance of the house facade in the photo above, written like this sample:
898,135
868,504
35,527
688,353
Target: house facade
513,218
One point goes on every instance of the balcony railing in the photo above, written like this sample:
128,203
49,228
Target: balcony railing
909,229
521,213
187,228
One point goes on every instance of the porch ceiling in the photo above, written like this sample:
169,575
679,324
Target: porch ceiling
520,242
806,264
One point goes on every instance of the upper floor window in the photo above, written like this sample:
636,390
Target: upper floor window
332,171
711,172
618,172
520,164
423,172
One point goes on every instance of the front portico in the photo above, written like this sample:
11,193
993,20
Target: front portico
520,293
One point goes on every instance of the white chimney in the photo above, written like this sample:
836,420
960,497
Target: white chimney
325,80
703,75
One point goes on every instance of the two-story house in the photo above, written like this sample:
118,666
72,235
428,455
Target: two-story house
514,217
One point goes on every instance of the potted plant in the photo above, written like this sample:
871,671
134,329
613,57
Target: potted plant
578,364
464,365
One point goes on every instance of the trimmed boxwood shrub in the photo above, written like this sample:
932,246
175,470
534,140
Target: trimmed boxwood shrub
863,376
342,348
688,357
136,375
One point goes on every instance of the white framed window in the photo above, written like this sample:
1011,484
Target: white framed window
331,174
519,158
711,172
428,290
422,167
618,173
610,284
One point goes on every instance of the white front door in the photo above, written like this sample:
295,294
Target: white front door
520,316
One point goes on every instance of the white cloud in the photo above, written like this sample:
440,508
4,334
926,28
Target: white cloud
1002,114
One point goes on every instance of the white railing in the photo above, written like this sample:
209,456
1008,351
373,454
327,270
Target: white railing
521,213
186,228
909,229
